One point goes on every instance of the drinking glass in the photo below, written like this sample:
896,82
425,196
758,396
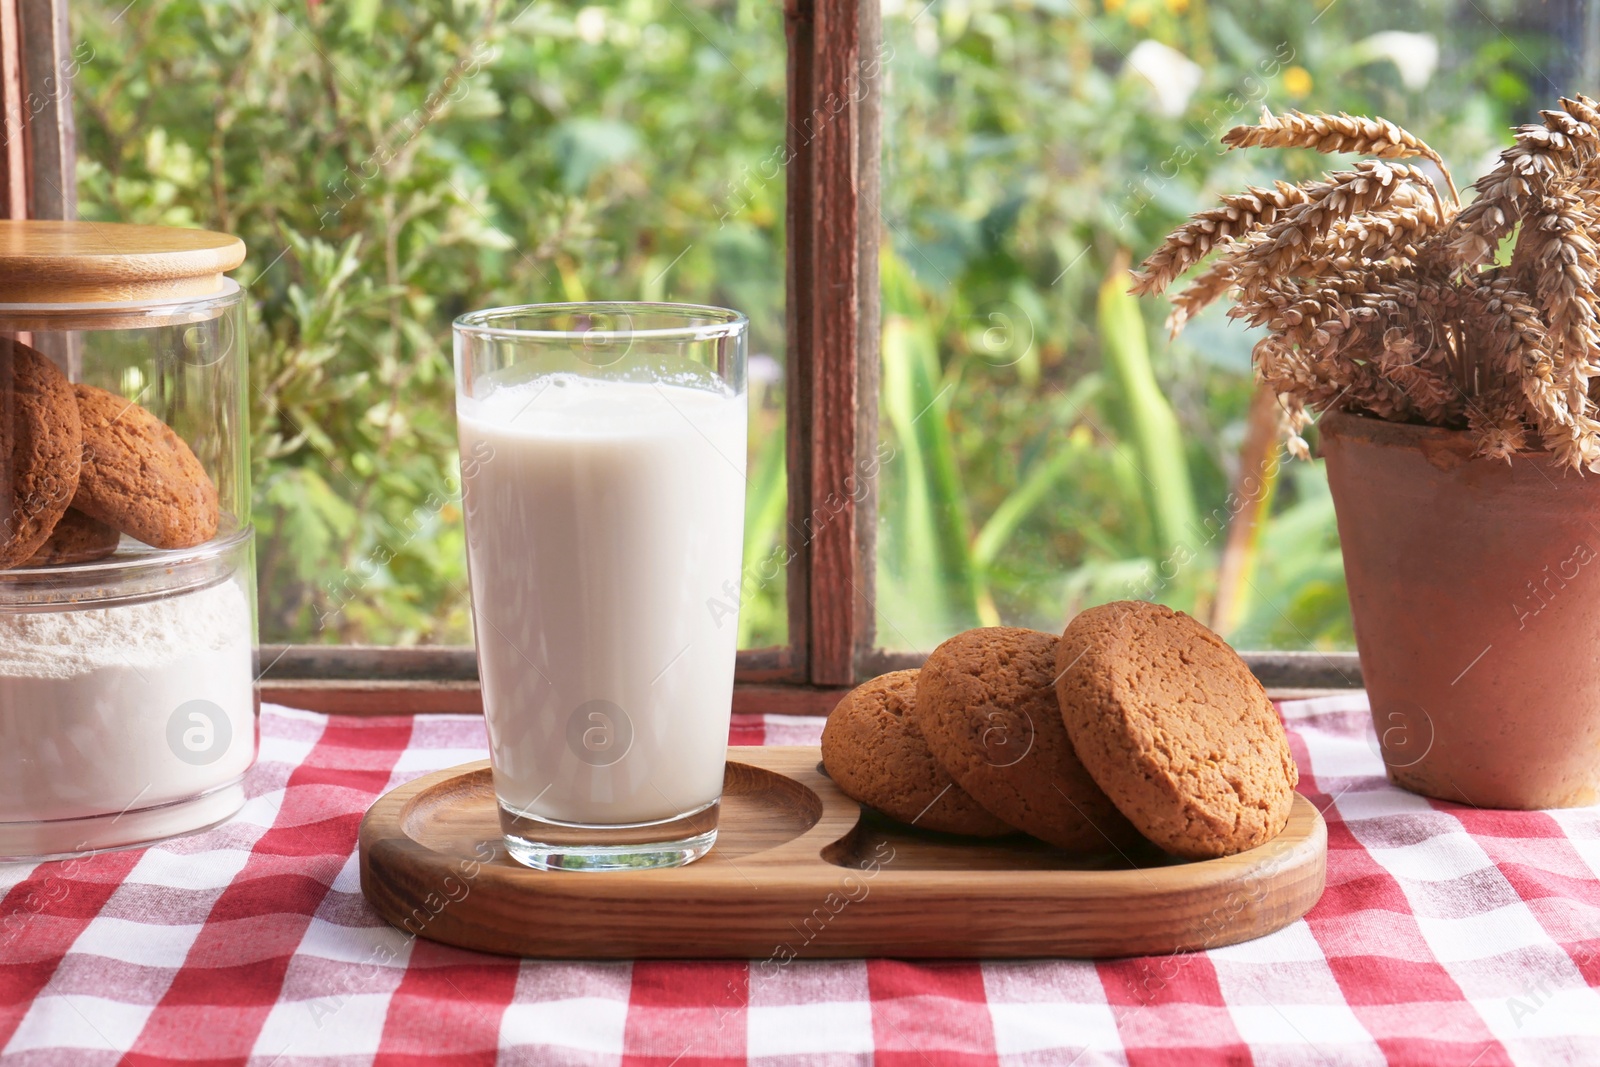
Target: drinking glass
603,478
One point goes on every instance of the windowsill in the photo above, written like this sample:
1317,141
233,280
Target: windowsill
363,680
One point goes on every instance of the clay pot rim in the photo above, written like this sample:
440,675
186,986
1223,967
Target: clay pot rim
1414,437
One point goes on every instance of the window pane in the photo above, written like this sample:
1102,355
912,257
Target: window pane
1052,448
392,165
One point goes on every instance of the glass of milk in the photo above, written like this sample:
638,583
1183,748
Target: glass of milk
603,479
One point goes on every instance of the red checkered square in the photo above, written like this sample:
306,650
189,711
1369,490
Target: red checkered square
940,1006
448,1005
687,1013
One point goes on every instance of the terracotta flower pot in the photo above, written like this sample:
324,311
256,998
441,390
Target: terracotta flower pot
1475,590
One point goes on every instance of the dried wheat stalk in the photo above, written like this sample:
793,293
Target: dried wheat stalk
1210,230
1204,289
1496,421
1543,154
1322,132
1372,293
1371,185
1328,230
1582,108
1403,231
1364,237
1555,259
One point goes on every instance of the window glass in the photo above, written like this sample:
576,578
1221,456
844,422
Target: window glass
393,165
1052,448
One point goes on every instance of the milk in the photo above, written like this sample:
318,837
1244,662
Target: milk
604,533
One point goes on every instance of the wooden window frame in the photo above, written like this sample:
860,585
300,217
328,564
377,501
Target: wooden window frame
38,154
833,150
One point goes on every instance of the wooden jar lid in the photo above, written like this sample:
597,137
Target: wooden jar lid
52,262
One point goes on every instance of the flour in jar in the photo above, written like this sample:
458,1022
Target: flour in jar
104,710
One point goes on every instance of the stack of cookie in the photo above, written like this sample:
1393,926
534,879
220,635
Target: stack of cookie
80,467
1137,722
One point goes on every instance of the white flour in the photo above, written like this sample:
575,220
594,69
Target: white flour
62,644
110,709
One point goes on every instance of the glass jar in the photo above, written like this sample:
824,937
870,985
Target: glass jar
127,636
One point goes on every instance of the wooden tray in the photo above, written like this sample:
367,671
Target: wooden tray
800,869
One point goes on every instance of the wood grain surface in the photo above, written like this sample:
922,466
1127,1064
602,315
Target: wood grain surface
51,58
57,262
828,386
800,871
13,115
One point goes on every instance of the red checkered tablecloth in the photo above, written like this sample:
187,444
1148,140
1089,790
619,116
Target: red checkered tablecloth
1447,935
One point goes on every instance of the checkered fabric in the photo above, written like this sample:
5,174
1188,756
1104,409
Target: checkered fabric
1447,935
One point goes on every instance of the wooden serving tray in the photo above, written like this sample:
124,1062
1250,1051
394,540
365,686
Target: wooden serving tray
800,869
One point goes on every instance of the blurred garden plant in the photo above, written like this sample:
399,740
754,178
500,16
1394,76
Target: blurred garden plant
392,165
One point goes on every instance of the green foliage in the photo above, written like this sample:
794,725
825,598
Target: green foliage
392,165
1144,411
923,511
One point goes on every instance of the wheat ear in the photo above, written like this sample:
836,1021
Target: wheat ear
1556,259
1209,230
1560,148
1582,108
1496,422
1369,288
1366,241
1293,239
1506,328
1336,133
1206,288
1508,322
1403,230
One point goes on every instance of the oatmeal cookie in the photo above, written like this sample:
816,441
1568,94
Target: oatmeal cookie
874,752
986,704
1175,728
41,445
139,477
